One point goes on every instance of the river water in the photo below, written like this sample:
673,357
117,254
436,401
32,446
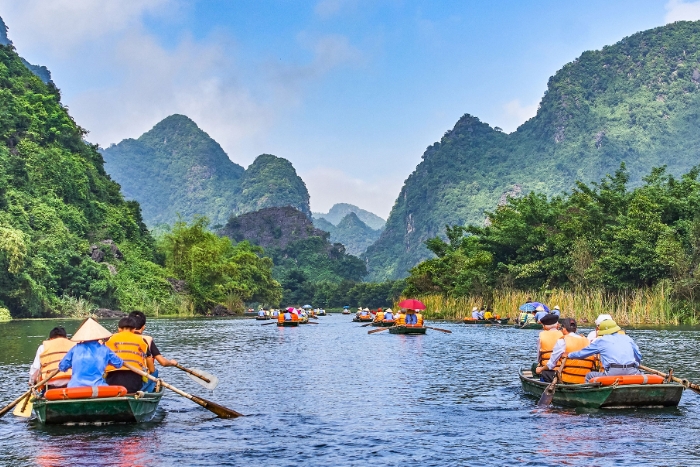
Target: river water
330,394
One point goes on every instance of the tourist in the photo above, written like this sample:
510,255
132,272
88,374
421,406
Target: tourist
619,355
89,357
540,312
573,371
132,348
475,313
48,356
556,310
388,315
488,314
153,351
379,316
545,345
594,333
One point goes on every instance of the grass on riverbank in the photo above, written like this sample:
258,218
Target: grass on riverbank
641,306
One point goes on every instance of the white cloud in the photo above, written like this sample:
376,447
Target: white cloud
515,114
326,9
329,186
679,10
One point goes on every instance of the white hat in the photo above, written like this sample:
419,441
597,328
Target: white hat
90,330
556,307
388,310
539,308
475,309
366,309
602,318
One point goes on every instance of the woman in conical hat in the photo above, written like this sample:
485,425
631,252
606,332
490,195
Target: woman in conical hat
90,356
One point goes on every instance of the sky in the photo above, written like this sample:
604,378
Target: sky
352,92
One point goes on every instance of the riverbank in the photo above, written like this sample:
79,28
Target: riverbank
636,307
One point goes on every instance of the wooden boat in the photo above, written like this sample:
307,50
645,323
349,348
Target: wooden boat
383,323
288,324
126,409
529,326
605,397
321,313
262,318
486,321
407,329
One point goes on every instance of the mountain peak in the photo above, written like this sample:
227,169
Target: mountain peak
340,210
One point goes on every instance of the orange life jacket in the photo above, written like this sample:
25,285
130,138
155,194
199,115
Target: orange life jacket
548,339
574,371
129,347
401,319
54,351
379,316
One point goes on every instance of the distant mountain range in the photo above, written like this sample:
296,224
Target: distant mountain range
176,168
636,102
340,210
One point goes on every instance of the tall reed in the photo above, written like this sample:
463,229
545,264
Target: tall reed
640,306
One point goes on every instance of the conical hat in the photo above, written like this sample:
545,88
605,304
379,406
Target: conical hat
90,330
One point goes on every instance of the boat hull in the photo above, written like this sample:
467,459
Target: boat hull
262,318
288,324
407,330
486,321
127,409
606,397
529,326
362,320
383,324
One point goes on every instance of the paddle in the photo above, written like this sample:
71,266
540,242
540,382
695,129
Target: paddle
8,407
267,324
692,386
217,409
377,330
441,330
24,410
201,377
365,325
548,393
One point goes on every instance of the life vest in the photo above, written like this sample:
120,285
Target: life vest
129,347
401,319
488,315
54,351
574,371
548,339
419,317
379,316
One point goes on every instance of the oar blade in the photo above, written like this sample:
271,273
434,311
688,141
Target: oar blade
377,330
213,380
548,394
219,410
23,410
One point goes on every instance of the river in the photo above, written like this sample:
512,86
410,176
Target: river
330,394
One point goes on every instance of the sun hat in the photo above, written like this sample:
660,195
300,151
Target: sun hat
475,309
539,308
388,310
602,318
90,330
549,319
556,307
608,327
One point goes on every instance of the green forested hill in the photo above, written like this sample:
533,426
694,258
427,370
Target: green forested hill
176,168
637,102
354,234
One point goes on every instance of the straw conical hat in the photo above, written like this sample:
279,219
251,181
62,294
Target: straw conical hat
90,330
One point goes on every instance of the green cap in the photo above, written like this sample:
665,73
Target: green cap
608,327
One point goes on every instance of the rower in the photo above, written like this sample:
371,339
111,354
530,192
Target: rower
573,371
153,351
89,357
379,315
619,355
488,314
593,335
413,318
475,313
132,348
540,313
388,315
48,356
545,345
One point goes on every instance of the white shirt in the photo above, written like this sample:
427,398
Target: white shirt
593,335
36,365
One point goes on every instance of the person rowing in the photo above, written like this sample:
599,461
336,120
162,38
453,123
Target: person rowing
593,335
153,352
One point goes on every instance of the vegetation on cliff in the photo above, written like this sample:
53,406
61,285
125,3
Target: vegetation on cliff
340,210
634,102
354,234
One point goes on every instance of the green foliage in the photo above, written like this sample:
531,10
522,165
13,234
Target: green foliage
602,236
5,314
216,271
634,102
354,234
299,290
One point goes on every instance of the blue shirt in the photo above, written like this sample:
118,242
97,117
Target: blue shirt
613,348
388,315
88,361
411,318
539,315
556,312
475,315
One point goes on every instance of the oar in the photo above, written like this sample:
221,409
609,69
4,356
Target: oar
24,410
267,324
217,409
9,407
548,393
377,330
692,386
365,325
439,329
201,377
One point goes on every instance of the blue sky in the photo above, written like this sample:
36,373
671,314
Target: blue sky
350,91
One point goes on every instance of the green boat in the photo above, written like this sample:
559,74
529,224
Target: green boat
131,408
383,324
287,324
407,330
486,321
529,326
606,397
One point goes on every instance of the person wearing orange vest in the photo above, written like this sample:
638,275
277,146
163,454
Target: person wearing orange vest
132,349
153,351
48,356
545,346
573,371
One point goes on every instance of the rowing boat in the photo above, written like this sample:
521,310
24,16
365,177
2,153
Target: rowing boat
407,329
287,324
384,324
528,326
262,318
486,321
605,397
362,319
132,408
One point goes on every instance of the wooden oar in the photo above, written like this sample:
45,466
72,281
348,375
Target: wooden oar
377,330
267,324
217,409
200,377
548,393
692,386
9,407
365,325
439,329
24,410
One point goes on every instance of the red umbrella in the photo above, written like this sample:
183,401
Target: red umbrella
412,304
